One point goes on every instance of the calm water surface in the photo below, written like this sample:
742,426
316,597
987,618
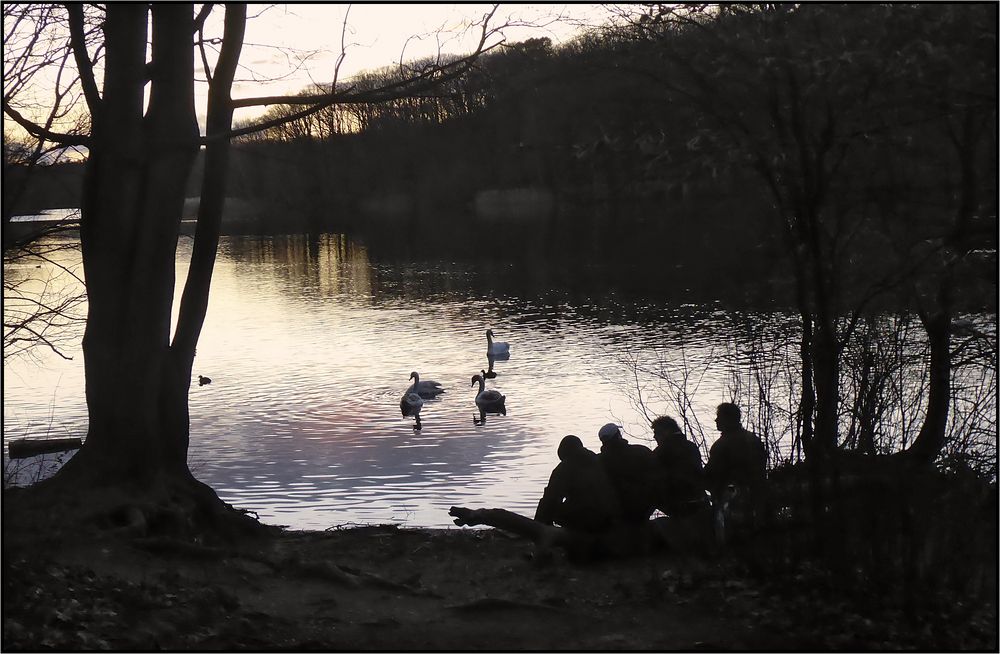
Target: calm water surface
310,343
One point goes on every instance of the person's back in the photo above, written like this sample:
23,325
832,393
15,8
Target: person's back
682,474
738,457
579,494
632,469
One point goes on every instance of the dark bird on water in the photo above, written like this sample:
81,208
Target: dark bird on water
488,400
202,380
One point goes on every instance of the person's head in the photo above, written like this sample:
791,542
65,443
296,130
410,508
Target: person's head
610,435
727,417
663,427
569,447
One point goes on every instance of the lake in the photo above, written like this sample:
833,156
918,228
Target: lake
310,341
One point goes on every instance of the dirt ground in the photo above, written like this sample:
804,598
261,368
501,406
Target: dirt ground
384,587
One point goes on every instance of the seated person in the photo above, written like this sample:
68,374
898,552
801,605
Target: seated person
579,494
738,458
682,476
633,472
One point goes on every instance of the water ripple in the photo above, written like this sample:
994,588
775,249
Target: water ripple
310,350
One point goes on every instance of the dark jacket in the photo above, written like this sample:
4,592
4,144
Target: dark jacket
737,458
579,495
633,471
682,478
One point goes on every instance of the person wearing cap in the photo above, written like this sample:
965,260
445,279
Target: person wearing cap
682,479
632,469
579,494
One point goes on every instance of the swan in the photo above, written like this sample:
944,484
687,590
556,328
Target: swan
410,405
488,400
425,389
496,348
488,375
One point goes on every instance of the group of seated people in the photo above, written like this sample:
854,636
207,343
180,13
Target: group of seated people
626,483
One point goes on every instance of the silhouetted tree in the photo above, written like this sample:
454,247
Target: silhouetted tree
138,374
808,97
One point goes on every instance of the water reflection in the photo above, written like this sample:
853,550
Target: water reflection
308,338
489,374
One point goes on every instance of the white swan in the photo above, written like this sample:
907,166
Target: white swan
488,400
425,389
496,348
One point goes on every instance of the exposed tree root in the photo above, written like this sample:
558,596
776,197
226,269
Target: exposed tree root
167,508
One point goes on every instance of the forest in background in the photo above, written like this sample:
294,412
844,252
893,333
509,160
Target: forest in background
607,146
857,145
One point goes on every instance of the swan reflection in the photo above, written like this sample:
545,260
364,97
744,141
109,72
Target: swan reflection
489,373
481,418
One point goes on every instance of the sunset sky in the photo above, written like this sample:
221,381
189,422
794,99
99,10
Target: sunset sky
294,45
288,47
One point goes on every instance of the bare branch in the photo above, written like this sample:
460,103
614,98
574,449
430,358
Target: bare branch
84,66
40,132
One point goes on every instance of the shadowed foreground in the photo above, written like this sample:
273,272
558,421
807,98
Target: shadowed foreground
385,587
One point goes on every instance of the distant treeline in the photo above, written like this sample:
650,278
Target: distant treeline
655,137
563,121
28,190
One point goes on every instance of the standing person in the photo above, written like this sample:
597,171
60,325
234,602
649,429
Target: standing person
579,494
682,474
633,472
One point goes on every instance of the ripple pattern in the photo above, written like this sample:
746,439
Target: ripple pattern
310,346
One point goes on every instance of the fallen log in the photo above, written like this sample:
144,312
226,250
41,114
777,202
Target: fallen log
622,540
26,447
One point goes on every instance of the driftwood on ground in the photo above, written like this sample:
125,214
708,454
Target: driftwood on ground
623,540
26,447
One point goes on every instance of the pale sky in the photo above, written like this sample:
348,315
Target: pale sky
290,46
310,35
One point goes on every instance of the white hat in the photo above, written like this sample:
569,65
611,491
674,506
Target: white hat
610,430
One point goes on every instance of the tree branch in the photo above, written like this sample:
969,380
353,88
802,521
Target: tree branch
83,63
40,132
194,300
407,87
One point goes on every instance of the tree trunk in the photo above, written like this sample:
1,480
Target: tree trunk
826,375
807,401
931,438
131,210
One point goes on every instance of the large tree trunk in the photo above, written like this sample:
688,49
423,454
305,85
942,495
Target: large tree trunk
137,382
133,200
